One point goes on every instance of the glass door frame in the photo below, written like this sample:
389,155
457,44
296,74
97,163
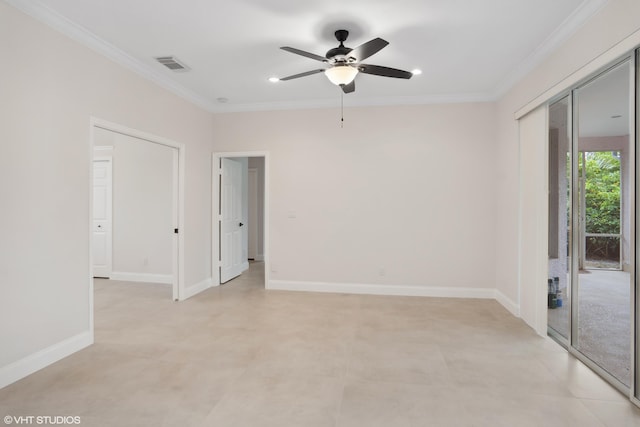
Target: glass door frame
556,335
635,226
633,58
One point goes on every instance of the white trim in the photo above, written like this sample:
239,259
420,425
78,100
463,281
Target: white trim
104,124
259,257
43,358
511,306
215,238
80,34
215,217
579,17
197,288
615,53
376,289
90,224
178,280
394,290
166,279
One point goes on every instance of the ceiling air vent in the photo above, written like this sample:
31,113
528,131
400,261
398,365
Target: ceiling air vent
172,63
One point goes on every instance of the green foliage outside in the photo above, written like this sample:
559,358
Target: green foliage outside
602,190
602,193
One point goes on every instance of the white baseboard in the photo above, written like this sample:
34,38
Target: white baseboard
420,291
43,358
192,290
142,277
508,303
259,257
370,289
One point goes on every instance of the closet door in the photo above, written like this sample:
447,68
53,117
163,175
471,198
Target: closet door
603,201
559,278
533,218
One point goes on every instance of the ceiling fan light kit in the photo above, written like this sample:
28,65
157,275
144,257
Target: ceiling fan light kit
345,63
341,75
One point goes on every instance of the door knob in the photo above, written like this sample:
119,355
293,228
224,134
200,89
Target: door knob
241,224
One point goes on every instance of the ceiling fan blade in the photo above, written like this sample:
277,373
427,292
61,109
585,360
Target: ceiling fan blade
367,49
303,53
307,73
384,71
351,87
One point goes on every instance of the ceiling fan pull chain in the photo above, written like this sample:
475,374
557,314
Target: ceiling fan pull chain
341,110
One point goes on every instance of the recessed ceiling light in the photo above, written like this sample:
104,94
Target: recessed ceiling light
416,72
274,79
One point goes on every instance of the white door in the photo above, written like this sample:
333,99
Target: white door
231,262
101,239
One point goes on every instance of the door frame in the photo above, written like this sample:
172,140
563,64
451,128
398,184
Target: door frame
215,209
178,291
632,58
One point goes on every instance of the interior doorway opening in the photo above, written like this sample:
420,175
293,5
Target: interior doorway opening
240,214
149,193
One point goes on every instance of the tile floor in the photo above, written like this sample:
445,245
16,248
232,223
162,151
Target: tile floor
605,326
238,355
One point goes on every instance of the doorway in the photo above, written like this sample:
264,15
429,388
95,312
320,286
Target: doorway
240,198
151,188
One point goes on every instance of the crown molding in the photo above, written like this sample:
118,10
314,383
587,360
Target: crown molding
565,30
80,34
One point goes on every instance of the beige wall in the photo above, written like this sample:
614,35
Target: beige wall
48,94
143,179
399,196
257,163
422,196
615,22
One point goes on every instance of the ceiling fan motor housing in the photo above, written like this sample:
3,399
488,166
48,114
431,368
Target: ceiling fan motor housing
339,54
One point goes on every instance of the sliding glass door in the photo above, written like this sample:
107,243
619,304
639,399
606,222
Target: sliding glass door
559,282
604,182
591,222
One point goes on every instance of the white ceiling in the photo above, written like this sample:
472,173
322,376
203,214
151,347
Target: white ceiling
468,50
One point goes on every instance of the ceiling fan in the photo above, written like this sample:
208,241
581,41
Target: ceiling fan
345,63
